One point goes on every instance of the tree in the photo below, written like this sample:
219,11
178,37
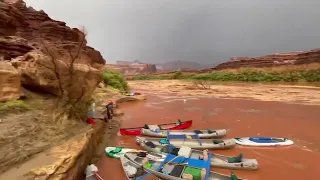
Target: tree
73,106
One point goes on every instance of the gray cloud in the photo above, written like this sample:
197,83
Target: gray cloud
206,31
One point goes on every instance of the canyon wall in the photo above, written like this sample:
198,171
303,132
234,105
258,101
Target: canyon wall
279,59
44,50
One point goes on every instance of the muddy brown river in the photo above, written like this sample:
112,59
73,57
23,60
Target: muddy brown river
301,123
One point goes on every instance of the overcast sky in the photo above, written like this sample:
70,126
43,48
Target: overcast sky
205,31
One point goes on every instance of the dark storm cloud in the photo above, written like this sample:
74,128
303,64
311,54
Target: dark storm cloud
206,31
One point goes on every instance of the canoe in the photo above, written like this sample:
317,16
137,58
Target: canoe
179,168
170,126
178,141
217,160
202,133
134,171
263,141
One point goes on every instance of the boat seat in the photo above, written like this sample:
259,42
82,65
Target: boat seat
236,159
150,144
198,132
211,131
177,171
167,169
154,127
195,156
184,151
217,141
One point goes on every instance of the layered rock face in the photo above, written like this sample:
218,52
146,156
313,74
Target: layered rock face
293,58
10,82
128,68
43,50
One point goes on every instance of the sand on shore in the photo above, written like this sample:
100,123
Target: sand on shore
297,94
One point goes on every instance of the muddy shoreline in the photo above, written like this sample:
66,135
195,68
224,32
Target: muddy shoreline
292,94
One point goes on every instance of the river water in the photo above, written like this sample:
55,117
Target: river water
243,118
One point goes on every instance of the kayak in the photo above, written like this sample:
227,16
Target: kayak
170,126
194,143
218,160
132,94
133,171
178,167
116,152
202,133
263,141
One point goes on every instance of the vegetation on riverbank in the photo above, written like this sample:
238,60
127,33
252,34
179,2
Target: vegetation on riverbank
114,79
13,106
245,75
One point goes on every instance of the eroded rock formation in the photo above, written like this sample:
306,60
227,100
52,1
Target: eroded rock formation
39,72
68,160
293,58
30,39
9,82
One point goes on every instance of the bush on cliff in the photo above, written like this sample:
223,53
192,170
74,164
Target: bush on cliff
114,79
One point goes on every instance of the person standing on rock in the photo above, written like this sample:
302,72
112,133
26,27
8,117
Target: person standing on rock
108,113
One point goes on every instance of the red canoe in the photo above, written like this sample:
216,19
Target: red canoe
171,126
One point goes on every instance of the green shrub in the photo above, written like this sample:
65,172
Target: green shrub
151,77
177,75
114,79
243,75
13,106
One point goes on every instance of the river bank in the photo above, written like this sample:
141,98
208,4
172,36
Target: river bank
297,94
257,116
67,151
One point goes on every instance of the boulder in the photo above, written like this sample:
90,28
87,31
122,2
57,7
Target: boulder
41,73
101,85
10,82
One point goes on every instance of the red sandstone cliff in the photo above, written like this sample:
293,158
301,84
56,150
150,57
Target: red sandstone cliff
278,59
25,36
